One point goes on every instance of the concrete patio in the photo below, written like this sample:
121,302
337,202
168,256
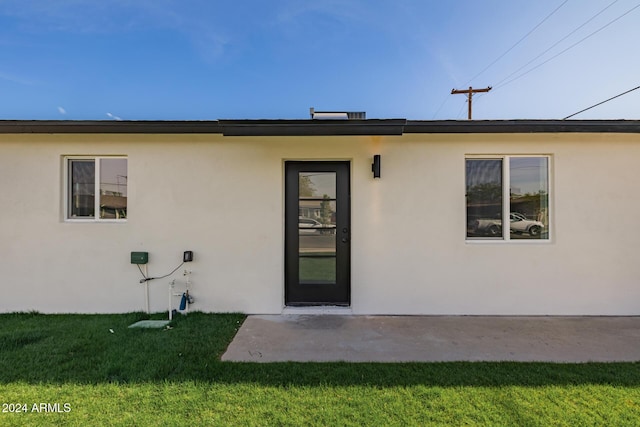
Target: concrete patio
324,338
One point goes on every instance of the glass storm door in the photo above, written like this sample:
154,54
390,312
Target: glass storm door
317,233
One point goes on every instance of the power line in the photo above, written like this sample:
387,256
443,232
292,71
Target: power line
461,110
500,84
440,108
570,47
600,103
559,41
516,43
503,54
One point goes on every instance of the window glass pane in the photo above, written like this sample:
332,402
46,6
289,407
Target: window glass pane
113,188
317,270
529,197
317,227
317,185
317,214
317,239
484,197
82,188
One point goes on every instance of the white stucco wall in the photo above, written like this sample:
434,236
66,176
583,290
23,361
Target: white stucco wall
222,197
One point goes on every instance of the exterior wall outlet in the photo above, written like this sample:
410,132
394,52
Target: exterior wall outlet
139,257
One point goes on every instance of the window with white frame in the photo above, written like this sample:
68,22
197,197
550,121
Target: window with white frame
507,197
96,188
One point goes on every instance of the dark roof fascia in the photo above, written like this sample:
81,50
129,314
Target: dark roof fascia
225,127
109,126
316,127
522,126
312,127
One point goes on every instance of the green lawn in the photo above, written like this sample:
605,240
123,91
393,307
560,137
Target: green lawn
74,364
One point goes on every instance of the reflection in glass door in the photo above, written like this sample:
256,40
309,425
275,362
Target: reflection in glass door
317,233
317,227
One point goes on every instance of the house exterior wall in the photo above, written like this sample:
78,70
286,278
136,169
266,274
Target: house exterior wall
222,198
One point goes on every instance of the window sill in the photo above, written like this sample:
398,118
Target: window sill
94,221
505,241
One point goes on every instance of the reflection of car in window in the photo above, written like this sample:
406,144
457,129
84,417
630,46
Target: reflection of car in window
520,224
312,226
487,227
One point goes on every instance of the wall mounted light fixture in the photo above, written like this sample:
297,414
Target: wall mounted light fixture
375,166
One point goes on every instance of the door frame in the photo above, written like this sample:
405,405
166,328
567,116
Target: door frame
317,294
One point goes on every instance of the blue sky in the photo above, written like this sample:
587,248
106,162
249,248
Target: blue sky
202,60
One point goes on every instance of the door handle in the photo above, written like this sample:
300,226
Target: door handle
345,231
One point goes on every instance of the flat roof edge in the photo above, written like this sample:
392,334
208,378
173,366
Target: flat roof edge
522,126
110,126
312,127
252,127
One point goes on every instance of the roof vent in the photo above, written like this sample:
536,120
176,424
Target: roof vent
337,115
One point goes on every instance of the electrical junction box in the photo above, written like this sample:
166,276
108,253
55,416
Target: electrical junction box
139,257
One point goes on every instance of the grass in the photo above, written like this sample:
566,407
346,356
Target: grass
175,377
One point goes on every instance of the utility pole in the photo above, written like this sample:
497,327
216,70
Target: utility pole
470,93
